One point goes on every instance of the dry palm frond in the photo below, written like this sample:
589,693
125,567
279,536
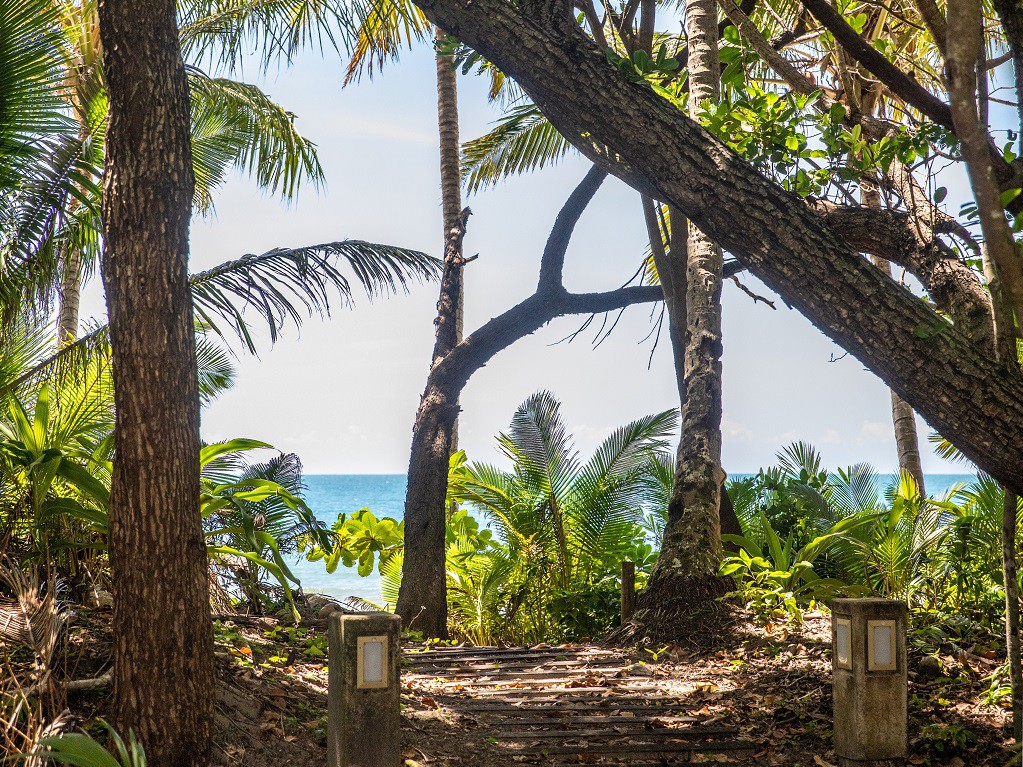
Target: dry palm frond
36,754
30,618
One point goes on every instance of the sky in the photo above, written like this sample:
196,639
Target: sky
343,392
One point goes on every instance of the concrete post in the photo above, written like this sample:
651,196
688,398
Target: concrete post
628,590
868,663
363,690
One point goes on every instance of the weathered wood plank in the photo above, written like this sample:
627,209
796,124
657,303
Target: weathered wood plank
571,691
613,732
561,708
711,747
610,720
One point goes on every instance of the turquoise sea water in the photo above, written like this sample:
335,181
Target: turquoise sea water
384,494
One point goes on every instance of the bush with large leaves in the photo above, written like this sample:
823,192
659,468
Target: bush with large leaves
564,525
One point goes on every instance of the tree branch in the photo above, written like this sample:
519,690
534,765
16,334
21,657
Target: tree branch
552,263
661,152
897,81
898,237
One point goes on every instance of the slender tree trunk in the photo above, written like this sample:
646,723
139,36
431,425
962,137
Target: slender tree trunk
906,441
422,600
1011,578
961,57
70,298
450,176
903,418
671,271
451,186
691,549
450,160
1005,351
163,641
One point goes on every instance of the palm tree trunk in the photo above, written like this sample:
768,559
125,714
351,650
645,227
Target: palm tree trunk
70,298
691,549
163,639
450,186
422,598
1010,570
906,441
903,418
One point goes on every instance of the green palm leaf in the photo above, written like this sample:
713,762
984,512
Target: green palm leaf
237,125
384,29
224,31
283,284
522,141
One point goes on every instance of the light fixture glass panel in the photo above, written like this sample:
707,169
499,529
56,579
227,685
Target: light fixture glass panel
881,645
373,662
842,637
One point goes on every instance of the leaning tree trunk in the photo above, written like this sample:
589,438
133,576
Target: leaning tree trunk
685,576
163,640
422,598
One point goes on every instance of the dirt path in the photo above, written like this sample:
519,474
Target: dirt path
762,698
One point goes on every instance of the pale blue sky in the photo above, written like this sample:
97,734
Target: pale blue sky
342,393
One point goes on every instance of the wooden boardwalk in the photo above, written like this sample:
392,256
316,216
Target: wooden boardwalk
564,705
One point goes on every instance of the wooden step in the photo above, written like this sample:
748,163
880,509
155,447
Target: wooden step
614,733
600,749
610,720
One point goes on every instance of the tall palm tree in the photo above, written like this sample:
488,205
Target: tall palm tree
385,26
161,621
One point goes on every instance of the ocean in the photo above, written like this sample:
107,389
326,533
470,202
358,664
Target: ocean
384,494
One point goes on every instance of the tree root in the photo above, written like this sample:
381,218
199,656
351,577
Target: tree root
683,611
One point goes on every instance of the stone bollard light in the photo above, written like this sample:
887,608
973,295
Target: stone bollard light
868,662
363,690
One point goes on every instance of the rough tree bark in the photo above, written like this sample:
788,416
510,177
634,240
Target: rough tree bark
428,464
629,130
163,639
422,598
686,571
426,603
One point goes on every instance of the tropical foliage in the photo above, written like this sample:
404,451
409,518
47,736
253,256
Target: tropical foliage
557,528
810,534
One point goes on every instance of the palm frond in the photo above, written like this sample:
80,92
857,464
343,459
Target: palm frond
522,141
539,444
609,491
799,458
31,616
384,29
237,125
281,284
223,31
946,450
216,373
